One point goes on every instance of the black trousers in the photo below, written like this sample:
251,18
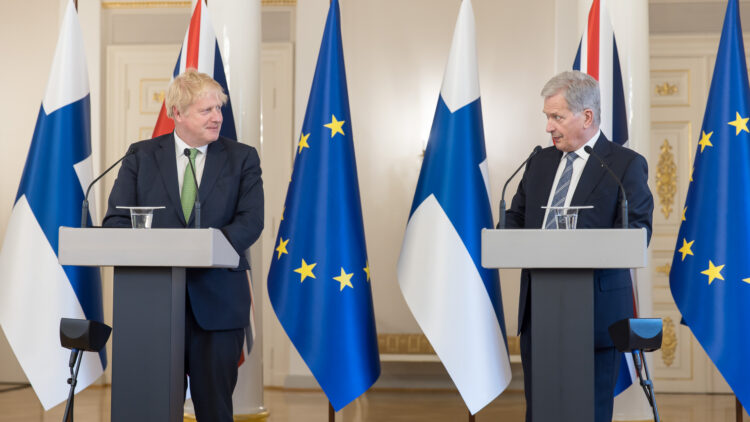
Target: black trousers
211,359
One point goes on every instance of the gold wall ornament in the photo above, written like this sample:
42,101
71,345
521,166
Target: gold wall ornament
668,342
158,97
666,178
664,269
666,89
404,344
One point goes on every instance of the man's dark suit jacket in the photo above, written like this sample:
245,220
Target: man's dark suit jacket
612,287
231,193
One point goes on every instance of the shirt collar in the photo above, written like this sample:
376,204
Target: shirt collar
581,152
180,146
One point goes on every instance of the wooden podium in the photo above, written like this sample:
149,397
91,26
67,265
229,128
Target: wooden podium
148,328
562,264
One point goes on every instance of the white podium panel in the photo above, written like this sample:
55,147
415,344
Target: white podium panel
582,248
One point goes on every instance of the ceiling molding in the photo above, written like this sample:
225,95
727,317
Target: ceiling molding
144,4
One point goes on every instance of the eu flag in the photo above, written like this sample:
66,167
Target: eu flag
319,281
710,277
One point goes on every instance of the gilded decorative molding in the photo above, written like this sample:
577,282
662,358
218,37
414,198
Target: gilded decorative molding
258,417
404,344
177,3
417,344
278,2
666,89
144,4
669,342
664,269
666,179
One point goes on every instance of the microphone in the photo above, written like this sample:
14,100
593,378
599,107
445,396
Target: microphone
624,204
197,193
501,223
85,203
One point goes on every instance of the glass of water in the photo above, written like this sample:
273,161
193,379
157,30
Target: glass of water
141,217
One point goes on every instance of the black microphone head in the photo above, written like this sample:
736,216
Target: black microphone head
536,150
587,149
186,152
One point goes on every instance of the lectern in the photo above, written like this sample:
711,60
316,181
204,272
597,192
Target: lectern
148,327
562,264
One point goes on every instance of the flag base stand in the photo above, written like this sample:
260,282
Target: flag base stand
738,409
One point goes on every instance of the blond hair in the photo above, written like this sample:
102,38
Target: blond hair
187,87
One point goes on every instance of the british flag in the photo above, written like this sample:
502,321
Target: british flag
597,56
200,51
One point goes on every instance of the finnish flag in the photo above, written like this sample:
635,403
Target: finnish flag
35,290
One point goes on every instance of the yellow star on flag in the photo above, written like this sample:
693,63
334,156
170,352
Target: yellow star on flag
305,271
684,211
367,270
344,279
713,272
706,140
691,173
746,280
685,249
281,249
284,209
740,124
303,142
335,126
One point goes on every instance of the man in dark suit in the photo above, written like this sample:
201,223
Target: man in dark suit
565,175
231,195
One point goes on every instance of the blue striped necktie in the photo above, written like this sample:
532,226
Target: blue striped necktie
562,190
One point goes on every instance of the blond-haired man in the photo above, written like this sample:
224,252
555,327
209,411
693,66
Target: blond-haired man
230,189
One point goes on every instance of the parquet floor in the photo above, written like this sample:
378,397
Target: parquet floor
92,405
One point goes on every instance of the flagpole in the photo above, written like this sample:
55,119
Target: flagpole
331,413
472,418
738,409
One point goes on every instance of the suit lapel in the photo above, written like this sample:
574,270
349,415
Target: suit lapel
592,172
167,162
216,156
549,163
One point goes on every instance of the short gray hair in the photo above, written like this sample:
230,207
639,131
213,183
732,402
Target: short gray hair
580,91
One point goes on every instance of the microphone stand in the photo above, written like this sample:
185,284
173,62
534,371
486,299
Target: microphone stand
85,203
624,202
76,356
501,223
647,384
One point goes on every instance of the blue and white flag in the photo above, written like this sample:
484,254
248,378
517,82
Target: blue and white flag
710,276
35,290
456,301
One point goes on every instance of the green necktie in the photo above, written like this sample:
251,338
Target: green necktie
187,198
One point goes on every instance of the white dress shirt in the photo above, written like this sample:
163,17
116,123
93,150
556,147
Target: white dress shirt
182,160
578,165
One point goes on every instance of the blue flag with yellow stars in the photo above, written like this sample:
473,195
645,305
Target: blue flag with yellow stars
710,276
319,281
